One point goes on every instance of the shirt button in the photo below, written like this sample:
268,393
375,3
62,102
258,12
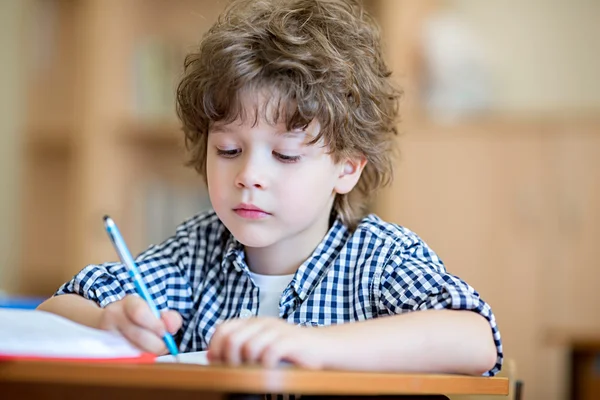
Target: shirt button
246,314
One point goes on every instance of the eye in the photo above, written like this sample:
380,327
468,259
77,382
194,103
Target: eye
228,153
286,159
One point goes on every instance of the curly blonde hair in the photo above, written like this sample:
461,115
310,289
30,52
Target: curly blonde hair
322,59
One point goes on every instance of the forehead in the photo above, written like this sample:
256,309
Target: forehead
264,109
279,128
257,102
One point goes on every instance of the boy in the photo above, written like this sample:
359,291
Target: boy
289,115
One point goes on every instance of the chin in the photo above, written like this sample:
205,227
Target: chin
251,234
253,237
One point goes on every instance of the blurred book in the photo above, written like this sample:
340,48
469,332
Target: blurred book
456,82
155,68
19,302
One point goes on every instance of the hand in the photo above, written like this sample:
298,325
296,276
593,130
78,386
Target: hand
269,341
133,319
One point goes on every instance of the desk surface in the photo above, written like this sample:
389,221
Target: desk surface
246,379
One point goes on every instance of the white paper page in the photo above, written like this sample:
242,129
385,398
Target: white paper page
196,357
199,358
42,334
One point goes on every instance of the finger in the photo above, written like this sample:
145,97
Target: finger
142,338
172,320
138,312
216,345
255,345
238,338
307,360
278,350
287,348
112,314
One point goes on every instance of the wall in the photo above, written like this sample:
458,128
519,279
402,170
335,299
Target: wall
509,200
542,54
12,13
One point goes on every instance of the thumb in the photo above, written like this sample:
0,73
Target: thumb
172,320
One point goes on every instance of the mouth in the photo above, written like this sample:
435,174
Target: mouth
250,211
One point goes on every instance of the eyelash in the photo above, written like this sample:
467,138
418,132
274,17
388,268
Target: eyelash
281,157
286,159
228,153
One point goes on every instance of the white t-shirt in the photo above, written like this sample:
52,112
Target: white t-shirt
271,288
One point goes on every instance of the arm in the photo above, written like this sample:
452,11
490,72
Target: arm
426,321
75,308
96,287
131,317
429,341
443,314
437,341
103,296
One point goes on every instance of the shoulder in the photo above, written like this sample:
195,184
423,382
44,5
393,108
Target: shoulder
394,244
373,229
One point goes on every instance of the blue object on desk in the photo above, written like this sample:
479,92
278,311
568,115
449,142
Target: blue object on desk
20,302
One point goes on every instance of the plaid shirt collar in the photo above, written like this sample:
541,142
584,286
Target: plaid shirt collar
312,270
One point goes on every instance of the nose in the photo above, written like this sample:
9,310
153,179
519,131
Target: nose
251,174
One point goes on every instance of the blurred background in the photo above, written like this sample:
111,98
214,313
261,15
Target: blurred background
499,169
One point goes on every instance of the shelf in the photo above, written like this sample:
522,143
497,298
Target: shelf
46,281
494,124
52,139
161,132
59,138
44,215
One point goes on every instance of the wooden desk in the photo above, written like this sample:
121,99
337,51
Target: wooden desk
58,380
584,349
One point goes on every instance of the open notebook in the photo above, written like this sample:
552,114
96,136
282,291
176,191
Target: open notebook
196,357
32,334
199,358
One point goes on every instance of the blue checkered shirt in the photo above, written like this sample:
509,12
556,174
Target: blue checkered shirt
378,269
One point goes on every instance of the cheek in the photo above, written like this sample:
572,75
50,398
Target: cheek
317,182
214,178
216,166
210,171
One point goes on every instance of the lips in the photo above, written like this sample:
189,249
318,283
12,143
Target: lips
249,207
250,211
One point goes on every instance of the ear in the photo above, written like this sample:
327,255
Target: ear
350,171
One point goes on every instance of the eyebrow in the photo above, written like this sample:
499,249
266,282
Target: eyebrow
295,133
287,134
220,129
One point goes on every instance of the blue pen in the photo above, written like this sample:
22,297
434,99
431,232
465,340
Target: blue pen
140,286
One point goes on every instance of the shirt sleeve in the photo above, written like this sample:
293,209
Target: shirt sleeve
163,269
416,279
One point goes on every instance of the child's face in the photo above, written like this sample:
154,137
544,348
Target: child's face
291,183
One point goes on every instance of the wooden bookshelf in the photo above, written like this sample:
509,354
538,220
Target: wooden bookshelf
100,125
165,132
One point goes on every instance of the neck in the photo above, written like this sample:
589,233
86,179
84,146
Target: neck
287,255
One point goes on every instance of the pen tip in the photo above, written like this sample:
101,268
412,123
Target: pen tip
106,218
